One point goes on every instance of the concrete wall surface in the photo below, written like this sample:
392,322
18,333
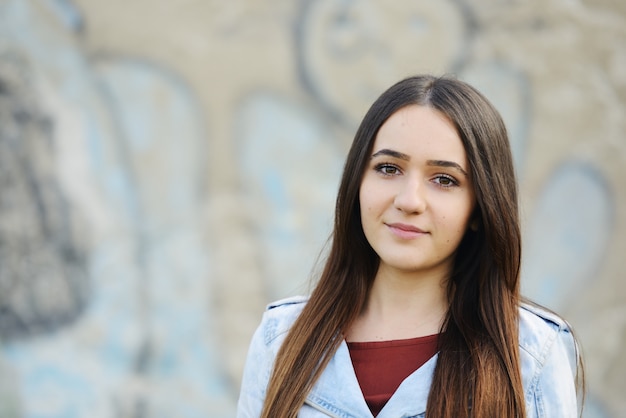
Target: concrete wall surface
169,167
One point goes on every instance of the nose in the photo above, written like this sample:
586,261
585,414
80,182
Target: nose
411,197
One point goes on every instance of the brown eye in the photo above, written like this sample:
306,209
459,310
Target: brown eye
445,180
387,169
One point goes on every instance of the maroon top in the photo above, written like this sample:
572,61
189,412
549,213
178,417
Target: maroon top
381,366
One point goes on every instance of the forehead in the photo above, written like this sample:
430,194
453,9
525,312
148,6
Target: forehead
416,130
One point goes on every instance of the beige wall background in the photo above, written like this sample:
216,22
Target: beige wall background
169,167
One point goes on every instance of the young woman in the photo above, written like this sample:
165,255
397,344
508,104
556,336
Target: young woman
417,311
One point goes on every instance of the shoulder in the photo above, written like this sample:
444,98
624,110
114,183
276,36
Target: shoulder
277,319
549,357
279,316
540,329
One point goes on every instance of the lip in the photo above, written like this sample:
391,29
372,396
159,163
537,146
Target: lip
405,231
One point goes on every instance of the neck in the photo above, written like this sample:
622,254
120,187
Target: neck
402,306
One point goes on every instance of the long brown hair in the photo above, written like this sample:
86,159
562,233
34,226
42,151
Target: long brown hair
478,369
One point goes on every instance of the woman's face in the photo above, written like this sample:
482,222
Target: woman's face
416,195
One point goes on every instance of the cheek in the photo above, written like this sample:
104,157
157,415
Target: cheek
365,199
366,214
457,220
368,209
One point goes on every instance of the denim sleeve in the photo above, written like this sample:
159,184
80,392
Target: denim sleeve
555,393
256,375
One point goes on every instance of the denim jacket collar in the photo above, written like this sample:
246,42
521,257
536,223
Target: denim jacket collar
337,390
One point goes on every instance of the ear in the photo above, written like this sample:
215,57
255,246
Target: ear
474,224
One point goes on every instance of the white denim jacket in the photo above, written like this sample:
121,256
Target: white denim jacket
548,361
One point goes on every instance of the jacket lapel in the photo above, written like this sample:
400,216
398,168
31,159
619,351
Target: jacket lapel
337,391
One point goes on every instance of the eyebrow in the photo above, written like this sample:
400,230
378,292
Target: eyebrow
434,163
443,163
392,153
